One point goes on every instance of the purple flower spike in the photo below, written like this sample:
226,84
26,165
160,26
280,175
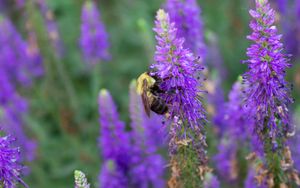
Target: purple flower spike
10,169
111,176
267,91
93,39
186,15
178,71
147,165
178,68
211,181
18,66
113,132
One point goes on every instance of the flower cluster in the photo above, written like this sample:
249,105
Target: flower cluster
147,164
179,72
211,181
93,39
178,68
17,68
186,16
10,169
131,160
267,91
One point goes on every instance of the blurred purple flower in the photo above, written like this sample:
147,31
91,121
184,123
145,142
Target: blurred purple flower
17,68
226,159
282,5
10,168
153,128
147,165
214,57
267,91
251,182
211,181
112,177
94,39
294,142
216,103
114,143
14,55
130,158
237,115
186,15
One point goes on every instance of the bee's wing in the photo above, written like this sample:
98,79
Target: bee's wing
145,98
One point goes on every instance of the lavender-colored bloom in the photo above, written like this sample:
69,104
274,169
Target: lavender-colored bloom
10,169
294,142
211,181
251,182
114,143
178,68
93,39
186,15
152,126
282,5
237,115
214,56
226,159
17,67
238,120
14,58
216,102
114,140
267,92
128,161
147,168
112,177
80,180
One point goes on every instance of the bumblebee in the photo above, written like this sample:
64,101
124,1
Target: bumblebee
148,88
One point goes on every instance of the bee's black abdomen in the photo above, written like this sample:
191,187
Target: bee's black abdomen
159,106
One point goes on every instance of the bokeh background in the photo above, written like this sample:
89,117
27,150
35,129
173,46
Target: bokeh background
63,116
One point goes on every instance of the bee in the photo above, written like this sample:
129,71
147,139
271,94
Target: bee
148,88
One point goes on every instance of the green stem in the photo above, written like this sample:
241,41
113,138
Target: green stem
67,83
273,158
96,82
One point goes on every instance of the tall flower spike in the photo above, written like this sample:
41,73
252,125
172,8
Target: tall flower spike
17,68
186,15
80,180
147,166
10,168
94,39
114,143
267,91
178,69
111,176
211,181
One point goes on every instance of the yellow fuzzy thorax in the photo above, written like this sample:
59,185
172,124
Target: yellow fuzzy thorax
140,80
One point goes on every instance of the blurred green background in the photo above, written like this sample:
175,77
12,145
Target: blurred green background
63,120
